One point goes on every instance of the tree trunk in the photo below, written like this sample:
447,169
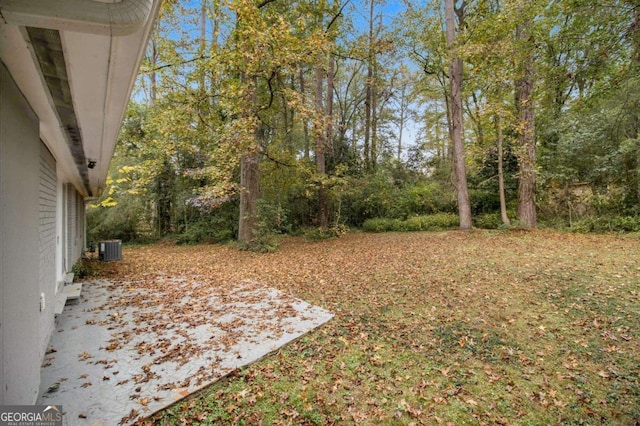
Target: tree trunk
164,194
215,31
447,148
305,125
367,122
203,42
153,74
503,199
635,39
329,104
403,108
638,170
526,135
249,176
455,77
321,134
249,194
287,116
374,116
476,116
368,101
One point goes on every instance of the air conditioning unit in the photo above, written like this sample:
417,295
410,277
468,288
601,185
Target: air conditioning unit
110,250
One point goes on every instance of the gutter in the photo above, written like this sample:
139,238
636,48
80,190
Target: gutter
84,16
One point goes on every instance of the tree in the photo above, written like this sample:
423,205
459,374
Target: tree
500,143
270,103
455,77
525,105
320,132
404,97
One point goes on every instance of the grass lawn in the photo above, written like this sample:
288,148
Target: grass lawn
452,328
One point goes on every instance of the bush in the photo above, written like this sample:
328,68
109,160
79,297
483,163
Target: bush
440,221
385,194
270,220
422,199
85,268
434,222
119,222
604,224
216,226
415,223
212,231
381,224
488,221
317,234
368,197
483,201
626,223
399,225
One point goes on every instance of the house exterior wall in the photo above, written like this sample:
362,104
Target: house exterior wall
42,236
61,257
74,227
19,246
42,182
47,243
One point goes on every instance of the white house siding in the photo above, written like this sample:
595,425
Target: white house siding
19,246
74,226
80,236
69,224
47,253
61,257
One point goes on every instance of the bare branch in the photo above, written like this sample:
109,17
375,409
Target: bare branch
337,15
263,3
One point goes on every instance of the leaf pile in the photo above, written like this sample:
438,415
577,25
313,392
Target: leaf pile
431,328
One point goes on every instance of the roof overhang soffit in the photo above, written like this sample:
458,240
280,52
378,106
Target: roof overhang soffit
85,16
43,19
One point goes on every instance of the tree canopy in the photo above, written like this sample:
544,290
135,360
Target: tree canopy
255,117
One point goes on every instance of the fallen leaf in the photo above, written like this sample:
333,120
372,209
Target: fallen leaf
84,356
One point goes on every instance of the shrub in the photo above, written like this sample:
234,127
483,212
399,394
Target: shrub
603,224
488,221
483,201
381,224
216,226
415,223
85,268
119,222
376,225
398,225
212,231
270,220
433,222
317,234
384,194
368,197
441,221
626,223
421,199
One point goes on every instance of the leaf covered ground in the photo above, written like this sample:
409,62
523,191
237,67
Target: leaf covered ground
517,328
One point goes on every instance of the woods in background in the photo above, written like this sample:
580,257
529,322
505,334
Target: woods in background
258,117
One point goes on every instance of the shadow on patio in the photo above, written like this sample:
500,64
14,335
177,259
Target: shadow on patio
128,349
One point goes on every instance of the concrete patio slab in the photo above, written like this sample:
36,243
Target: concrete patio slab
128,349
